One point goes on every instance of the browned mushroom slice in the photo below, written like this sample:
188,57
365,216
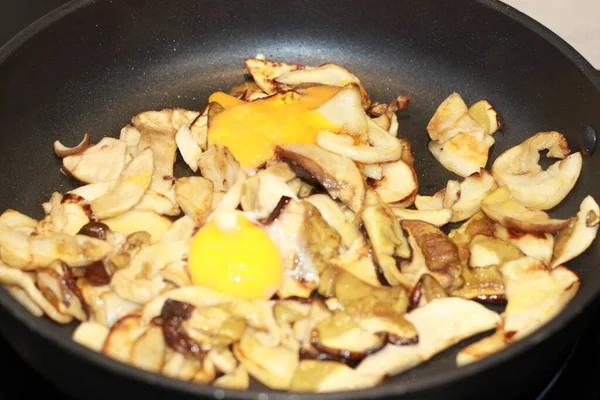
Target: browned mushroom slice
148,351
136,220
329,376
129,189
63,151
160,203
66,214
265,72
470,192
199,129
273,367
537,245
434,202
490,251
450,119
482,348
397,184
105,306
518,169
441,324
332,214
535,294
486,116
101,162
426,290
464,154
579,235
504,209
194,195
264,192
358,260
435,250
12,276
91,335
61,291
122,337
344,111
339,175
247,91
438,218
158,130
218,165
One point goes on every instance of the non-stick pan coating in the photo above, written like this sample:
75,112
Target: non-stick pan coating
91,65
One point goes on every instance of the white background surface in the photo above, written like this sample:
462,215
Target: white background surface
576,21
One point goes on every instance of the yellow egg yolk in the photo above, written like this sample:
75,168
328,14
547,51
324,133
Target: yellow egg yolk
234,256
252,130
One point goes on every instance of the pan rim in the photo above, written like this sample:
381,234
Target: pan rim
575,309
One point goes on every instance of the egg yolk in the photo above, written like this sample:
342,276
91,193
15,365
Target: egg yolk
234,256
252,130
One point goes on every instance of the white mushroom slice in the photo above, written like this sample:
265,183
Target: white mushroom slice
535,294
131,135
470,193
579,235
518,169
15,248
264,73
198,296
441,323
372,171
358,261
383,147
129,189
270,192
122,336
181,229
388,121
450,119
504,209
23,298
199,130
148,351
318,376
218,165
258,315
438,218
488,251
273,367
435,202
344,110
224,360
63,151
194,195
398,182
178,366
158,130
536,245
140,282
482,348
140,221
67,214
91,335
189,149
464,154
95,190
486,116
451,193
11,276
177,274
238,380
339,175
159,203
101,162
14,220
333,215
230,200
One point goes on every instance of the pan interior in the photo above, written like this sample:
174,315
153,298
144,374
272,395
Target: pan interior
96,67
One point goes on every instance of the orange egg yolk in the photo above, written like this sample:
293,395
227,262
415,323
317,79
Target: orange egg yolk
252,130
234,256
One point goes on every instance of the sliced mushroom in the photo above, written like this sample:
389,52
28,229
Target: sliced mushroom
535,294
441,324
334,216
129,189
130,135
158,130
199,130
194,195
105,306
238,380
537,245
450,119
93,191
339,175
122,337
91,335
398,183
344,110
160,203
148,351
426,290
435,202
181,229
263,192
318,376
17,221
101,162
486,116
518,169
229,200
218,165
579,235
382,146
21,296
482,348
273,367
135,221
63,151
247,91
489,251
265,72
438,218
504,209
66,214
464,154
189,149
358,260
470,193
61,291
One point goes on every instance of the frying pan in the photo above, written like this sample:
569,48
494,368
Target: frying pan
91,65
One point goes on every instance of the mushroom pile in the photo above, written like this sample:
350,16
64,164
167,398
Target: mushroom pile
376,279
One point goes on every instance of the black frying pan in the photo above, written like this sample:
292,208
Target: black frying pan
91,65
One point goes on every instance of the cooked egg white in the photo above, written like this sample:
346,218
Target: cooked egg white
235,256
252,130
